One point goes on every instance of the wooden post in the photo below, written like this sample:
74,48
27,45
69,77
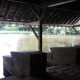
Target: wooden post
40,35
40,31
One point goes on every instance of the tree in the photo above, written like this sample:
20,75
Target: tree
1,26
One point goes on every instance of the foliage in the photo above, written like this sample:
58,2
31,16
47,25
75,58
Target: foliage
1,26
10,28
45,29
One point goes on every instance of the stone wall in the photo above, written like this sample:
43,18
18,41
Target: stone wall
64,55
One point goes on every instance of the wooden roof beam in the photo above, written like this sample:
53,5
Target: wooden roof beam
9,10
67,10
78,15
29,16
67,18
64,17
23,13
43,14
60,15
36,13
53,13
71,17
57,2
16,11
1,5
77,20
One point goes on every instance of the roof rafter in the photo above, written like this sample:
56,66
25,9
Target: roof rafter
68,17
78,15
1,5
44,11
57,2
9,10
33,10
59,16
23,13
51,14
63,18
77,20
29,16
71,17
17,11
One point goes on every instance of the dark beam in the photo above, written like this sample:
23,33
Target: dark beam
26,1
9,10
16,11
47,13
67,10
36,13
33,31
40,35
56,3
29,16
75,18
71,18
17,1
1,5
23,14
43,14
60,15
76,31
68,17
53,13
63,18
40,30
34,18
46,18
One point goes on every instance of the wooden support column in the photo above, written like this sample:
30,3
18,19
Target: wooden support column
39,16
40,35
40,31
